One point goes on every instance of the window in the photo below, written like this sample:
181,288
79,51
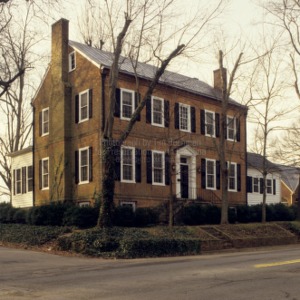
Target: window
84,165
129,204
45,173
45,121
29,179
210,174
18,181
127,104
157,111
255,185
127,164
269,186
231,128
84,106
158,166
232,176
209,123
72,61
184,117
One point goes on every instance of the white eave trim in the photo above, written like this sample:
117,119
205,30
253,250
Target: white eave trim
41,84
85,56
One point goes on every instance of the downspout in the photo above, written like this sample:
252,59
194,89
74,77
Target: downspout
103,77
246,160
33,156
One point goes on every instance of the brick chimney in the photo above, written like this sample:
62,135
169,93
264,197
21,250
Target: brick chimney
60,112
218,84
59,49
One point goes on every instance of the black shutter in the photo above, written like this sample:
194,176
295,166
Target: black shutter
167,169
40,175
203,173
274,186
238,130
217,123
137,97
148,110
117,103
14,182
249,184
202,121
76,166
166,113
193,119
176,114
225,129
239,183
261,183
90,163
117,154
149,166
23,180
90,103
218,175
138,170
76,108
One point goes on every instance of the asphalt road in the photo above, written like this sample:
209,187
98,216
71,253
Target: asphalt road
269,274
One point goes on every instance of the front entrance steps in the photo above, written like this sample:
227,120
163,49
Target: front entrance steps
219,235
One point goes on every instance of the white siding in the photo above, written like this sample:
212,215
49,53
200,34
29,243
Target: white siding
257,198
17,162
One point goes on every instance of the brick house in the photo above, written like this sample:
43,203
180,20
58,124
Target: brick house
178,130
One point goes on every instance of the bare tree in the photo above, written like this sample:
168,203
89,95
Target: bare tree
268,107
19,37
145,34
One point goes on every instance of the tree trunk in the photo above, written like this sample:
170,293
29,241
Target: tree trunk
263,208
108,183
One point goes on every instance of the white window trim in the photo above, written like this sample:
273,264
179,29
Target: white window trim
235,176
215,174
43,121
188,117
258,185
42,175
16,181
163,168
70,61
162,112
121,103
133,165
79,106
228,119
27,179
132,203
214,123
79,165
271,186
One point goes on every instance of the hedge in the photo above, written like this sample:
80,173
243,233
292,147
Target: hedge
127,243
30,235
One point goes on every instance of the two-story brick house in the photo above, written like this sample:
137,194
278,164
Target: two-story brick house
178,130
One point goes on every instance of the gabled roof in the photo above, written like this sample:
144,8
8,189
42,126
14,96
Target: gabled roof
104,59
290,176
255,161
20,152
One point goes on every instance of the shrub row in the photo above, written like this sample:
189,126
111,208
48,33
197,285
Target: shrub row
195,214
131,243
61,214
56,214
